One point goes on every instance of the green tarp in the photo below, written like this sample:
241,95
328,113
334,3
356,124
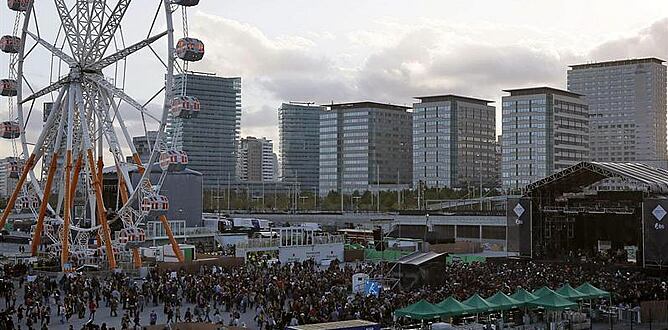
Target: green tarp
454,307
542,291
570,293
387,255
353,246
478,304
590,292
523,296
553,301
468,259
421,310
503,301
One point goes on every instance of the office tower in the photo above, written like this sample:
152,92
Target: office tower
498,158
545,130
143,144
211,138
627,109
274,162
9,173
299,144
365,146
453,141
256,160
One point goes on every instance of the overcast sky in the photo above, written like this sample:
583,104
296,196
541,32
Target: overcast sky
392,50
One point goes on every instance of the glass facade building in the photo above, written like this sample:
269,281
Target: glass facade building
256,160
211,138
453,142
545,130
627,109
299,144
365,146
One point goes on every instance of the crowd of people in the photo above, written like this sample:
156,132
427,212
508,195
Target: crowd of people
279,295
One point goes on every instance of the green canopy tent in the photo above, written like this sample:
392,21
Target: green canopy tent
453,307
421,310
523,296
553,301
570,293
479,305
502,301
542,291
590,292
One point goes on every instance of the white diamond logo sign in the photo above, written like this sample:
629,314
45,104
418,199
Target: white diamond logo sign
519,210
659,213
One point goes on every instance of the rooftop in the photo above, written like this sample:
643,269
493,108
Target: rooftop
584,174
366,104
540,90
419,258
452,97
617,63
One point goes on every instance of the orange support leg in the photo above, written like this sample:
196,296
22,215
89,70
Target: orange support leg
15,195
137,159
100,167
101,212
64,254
75,180
172,240
136,258
39,227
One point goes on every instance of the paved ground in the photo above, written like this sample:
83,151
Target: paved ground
102,315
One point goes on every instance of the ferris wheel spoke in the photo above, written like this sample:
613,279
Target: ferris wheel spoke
106,36
51,88
121,54
53,49
113,90
73,37
93,23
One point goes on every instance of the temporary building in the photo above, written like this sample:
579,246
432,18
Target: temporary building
570,293
523,296
553,301
421,310
590,292
502,301
479,305
453,307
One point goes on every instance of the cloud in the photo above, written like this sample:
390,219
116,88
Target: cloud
649,42
394,63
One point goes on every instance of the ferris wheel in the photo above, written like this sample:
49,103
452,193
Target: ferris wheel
58,158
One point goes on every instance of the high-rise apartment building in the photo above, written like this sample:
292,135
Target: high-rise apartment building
544,130
627,109
8,180
256,160
211,138
453,141
299,144
365,146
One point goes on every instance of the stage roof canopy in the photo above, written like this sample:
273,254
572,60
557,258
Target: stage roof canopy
575,178
419,258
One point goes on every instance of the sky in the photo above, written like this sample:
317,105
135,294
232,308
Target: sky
390,50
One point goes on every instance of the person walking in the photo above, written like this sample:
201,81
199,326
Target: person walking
153,318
